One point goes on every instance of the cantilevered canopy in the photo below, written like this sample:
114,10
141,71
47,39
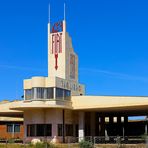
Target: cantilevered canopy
103,104
118,104
5,110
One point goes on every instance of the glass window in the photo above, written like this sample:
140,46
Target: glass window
16,128
28,94
48,129
10,128
62,93
60,129
69,130
59,93
32,130
13,128
39,130
49,93
40,93
67,94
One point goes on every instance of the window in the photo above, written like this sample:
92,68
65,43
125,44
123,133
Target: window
49,93
40,93
16,128
69,130
59,93
62,93
28,94
10,128
31,130
60,129
13,128
39,130
67,94
48,129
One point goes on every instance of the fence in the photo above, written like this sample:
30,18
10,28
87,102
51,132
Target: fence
73,142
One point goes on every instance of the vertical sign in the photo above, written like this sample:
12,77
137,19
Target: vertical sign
72,66
57,41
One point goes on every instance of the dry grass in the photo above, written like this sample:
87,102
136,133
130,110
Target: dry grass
76,146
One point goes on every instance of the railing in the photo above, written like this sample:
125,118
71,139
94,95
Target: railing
49,99
96,142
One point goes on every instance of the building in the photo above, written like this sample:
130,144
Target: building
11,124
56,106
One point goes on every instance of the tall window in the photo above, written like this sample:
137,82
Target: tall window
49,93
60,129
28,94
16,128
67,94
59,93
40,93
10,128
39,130
69,129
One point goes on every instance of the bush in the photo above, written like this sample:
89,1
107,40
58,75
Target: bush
44,145
11,141
85,144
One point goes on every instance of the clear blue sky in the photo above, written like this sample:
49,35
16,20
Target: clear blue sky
110,37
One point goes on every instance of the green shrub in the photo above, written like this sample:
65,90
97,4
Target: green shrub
44,145
85,144
11,141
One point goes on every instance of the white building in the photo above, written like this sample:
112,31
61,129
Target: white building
57,106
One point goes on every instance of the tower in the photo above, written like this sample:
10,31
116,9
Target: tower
62,80
62,60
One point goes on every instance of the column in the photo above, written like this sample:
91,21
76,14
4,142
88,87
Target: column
81,125
119,127
111,128
102,126
126,127
35,93
97,124
146,126
54,93
92,124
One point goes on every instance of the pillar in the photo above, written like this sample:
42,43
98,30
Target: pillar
54,93
125,129
119,127
35,93
102,126
92,124
111,128
81,125
146,126
97,124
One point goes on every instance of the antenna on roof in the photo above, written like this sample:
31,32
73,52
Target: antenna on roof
49,13
64,11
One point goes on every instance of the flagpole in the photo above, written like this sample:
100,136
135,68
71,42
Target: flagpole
49,13
64,11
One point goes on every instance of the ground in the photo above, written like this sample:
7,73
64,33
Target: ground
75,146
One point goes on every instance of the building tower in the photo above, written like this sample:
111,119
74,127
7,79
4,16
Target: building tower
62,80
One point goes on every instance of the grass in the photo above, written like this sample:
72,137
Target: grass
75,146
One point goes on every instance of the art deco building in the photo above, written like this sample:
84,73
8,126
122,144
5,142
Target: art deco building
57,105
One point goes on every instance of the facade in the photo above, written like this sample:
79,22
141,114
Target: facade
55,116
11,129
56,105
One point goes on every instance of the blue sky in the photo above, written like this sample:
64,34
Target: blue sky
110,37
